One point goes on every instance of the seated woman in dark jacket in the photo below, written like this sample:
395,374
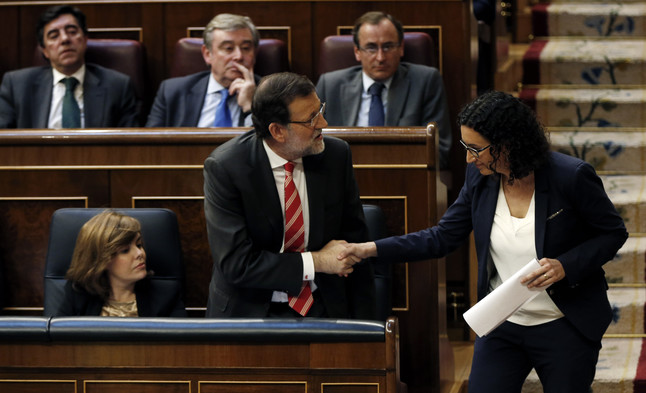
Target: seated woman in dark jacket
108,275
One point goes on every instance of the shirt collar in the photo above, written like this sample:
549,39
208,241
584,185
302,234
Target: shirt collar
275,160
213,86
79,75
368,81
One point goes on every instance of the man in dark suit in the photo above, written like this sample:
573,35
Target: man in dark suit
37,97
247,204
230,46
410,94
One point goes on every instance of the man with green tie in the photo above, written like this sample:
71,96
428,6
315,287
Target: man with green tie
69,93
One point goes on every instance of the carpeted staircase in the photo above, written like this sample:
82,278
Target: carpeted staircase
585,74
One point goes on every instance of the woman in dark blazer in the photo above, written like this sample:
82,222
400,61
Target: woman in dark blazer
108,275
523,201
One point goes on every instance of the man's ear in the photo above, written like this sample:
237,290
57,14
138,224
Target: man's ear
206,55
278,132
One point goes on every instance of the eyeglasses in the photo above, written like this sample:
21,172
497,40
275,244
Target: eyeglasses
372,49
472,150
312,122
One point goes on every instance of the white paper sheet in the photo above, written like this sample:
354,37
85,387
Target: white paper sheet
503,301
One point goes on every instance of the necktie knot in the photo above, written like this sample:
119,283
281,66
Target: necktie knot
376,88
70,83
289,167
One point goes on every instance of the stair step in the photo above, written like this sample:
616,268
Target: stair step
628,310
589,19
629,265
628,192
588,107
585,62
607,149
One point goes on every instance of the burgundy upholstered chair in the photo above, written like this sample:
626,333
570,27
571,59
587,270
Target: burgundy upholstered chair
271,58
337,51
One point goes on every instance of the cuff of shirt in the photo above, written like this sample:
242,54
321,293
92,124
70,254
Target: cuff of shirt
308,266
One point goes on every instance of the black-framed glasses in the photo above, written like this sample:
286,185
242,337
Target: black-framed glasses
312,122
372,49
472,150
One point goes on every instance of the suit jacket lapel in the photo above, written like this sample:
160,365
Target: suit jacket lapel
486,210
541,197
351,98
42,88
397,96
264,186
195,101
93,100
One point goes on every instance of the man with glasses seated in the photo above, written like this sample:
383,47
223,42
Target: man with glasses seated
274,200
382,90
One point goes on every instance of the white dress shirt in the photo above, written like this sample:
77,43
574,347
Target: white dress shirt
512,246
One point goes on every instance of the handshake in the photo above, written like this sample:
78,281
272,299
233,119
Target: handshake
338,256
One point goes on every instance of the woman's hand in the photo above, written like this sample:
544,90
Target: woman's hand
550,272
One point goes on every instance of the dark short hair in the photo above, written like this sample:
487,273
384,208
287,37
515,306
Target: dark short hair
373,18
512,129
54,12
272,98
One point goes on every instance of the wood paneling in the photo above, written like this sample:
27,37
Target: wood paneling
136,386
27,386
394,167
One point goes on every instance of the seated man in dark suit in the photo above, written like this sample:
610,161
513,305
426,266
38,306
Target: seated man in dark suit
222,96
274,198
69,93
404,94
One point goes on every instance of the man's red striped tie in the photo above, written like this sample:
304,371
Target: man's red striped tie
295,237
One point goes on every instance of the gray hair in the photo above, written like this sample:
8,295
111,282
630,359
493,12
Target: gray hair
230,22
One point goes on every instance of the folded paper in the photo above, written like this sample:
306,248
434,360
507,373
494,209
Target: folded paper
499,304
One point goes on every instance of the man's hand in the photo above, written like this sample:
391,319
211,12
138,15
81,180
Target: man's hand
358,251
326,260
244,87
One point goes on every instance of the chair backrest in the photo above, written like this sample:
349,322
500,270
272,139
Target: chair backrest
159,230
271,57
337,51
376,222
